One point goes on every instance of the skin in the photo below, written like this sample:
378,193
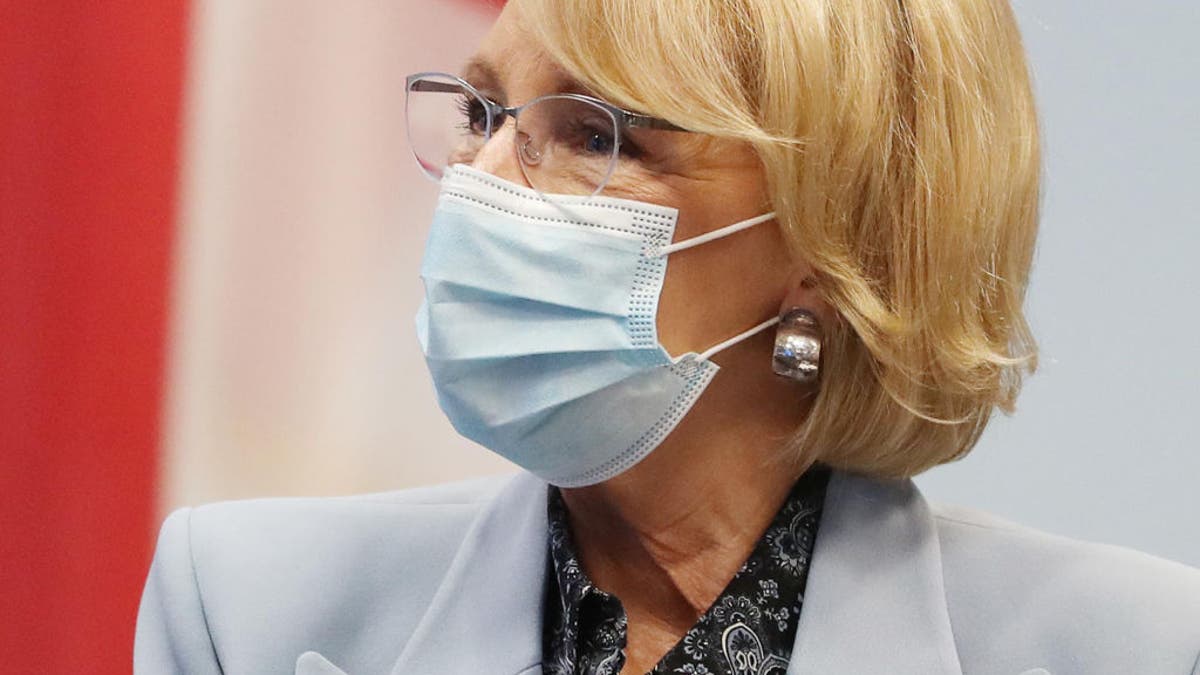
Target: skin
667,535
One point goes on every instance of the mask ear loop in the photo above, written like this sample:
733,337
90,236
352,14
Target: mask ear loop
710,236
704,239
740,337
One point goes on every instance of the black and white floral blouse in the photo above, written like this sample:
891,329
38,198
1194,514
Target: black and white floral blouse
748,630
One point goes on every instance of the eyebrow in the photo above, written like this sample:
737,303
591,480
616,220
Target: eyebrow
482,75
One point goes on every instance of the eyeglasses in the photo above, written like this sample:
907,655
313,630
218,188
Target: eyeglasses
565,143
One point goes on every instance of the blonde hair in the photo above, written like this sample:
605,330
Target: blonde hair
900,148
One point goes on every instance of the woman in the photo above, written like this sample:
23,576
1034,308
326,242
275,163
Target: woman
834,202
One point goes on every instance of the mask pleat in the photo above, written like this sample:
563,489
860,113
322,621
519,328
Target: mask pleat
489,386
480,330
533,262
445,292
615,416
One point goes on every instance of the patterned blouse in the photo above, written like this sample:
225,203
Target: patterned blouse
748,630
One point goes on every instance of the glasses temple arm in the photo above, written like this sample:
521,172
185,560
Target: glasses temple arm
439,87
637,121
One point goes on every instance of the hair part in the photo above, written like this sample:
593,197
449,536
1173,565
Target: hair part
899,142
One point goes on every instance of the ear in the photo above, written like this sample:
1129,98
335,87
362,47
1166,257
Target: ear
804,292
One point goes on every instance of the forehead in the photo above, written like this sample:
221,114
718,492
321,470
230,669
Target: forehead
512,62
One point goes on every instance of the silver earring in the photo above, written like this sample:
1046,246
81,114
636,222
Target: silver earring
798,346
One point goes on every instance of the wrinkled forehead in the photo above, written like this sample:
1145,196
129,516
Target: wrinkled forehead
511,65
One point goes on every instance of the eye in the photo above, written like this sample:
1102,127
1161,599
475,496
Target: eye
599,143
473,116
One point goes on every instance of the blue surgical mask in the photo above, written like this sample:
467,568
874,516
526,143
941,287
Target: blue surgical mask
539,330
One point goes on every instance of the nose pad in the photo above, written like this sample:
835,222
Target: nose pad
499,156
527,151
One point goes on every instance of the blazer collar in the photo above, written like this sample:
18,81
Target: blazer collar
874,601
486,617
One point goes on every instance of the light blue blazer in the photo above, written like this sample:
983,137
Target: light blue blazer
449,580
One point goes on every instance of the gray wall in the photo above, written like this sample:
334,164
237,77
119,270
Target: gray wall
1104,444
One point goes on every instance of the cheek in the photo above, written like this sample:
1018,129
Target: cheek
642,186
717,290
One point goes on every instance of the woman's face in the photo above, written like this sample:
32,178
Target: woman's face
712,292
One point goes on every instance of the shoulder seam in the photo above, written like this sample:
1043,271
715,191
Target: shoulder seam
982,526
400,501
199,594
345,499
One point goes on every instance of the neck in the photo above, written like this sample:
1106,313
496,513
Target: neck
667,536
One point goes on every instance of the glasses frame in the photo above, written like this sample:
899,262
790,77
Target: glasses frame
497,113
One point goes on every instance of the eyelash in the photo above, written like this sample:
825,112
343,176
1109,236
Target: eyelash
627,147
465,109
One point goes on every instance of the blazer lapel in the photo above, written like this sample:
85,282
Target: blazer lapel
312,663
486,617
875,601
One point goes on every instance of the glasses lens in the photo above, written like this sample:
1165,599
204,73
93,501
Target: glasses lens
566,145
447,123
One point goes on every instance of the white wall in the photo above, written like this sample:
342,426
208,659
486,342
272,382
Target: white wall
294,367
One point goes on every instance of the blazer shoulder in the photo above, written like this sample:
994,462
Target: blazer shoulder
1009,585
282,523
259,534
265,578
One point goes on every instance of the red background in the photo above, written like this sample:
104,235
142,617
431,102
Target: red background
89,128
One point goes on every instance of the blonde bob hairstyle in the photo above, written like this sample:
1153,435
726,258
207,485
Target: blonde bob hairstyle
899,143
